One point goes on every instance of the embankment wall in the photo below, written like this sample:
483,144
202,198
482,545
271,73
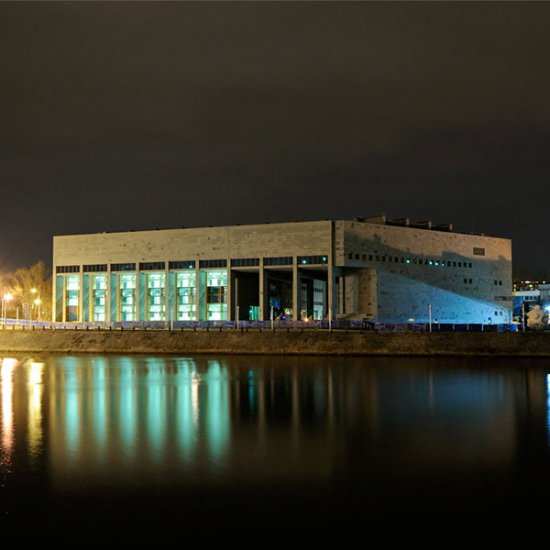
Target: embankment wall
280,342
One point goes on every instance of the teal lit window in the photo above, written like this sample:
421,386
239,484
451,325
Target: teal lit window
156,307
72,297
186,291
99,298
216,295
127,289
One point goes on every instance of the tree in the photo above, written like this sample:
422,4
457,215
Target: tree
32,291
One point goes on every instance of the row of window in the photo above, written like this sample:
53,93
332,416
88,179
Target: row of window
154,306
403,260
191,264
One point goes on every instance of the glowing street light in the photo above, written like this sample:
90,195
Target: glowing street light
36,304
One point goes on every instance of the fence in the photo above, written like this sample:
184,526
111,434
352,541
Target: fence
324,325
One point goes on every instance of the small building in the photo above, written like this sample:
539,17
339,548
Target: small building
365,268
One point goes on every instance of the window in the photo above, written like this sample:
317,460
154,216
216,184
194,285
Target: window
94,268
72,296
479,251
186,288
370,257
284,260
150,266
357,256
350,256
459,264
500,283
364,257
216,295
127,296
303,260
190,264
123,267
245,262
212,263
67,269
470,264
156,297
99,298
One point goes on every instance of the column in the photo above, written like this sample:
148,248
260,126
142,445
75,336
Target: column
230,312
263,291
296,290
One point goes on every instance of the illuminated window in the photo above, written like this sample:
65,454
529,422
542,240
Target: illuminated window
216,295
127,294
189,264
99,298
186,289
156,307
72,296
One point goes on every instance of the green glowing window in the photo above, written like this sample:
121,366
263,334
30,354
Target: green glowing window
186,308
127,297
156,296
216,295
72,296
99,298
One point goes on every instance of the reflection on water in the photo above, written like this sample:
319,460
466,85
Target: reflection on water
180,422
6,377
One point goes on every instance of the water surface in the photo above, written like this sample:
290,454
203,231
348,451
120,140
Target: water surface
243,445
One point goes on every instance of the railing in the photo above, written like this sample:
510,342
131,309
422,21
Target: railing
245,326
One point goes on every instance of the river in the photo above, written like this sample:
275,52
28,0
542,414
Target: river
240,446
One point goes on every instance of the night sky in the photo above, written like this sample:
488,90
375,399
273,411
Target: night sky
119,116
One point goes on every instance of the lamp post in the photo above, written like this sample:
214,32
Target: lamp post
6,298
430,315
37,303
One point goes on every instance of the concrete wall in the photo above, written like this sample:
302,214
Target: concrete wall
278,239
406,284
277,343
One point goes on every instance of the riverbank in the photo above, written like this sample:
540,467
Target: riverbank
280,342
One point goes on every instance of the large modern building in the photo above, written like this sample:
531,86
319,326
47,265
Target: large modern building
374,268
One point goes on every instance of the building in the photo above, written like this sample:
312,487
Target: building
365,268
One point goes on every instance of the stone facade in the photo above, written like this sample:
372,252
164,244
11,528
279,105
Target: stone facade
351,269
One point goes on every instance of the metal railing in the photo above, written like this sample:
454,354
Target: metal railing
245,326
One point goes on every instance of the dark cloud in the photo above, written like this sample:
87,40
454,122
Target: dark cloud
123,115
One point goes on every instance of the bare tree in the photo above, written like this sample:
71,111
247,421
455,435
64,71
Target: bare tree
32,291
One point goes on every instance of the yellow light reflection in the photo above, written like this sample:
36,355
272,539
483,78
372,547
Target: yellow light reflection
195,398
35,407
6,377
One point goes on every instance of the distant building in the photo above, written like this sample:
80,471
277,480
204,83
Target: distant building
365,268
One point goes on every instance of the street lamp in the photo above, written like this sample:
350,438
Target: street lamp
37,303
6,298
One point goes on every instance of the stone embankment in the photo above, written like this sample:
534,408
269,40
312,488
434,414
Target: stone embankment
280,342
